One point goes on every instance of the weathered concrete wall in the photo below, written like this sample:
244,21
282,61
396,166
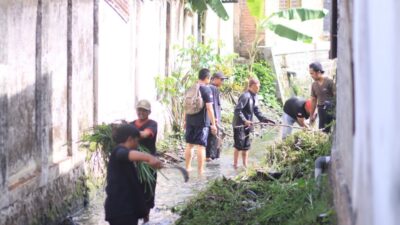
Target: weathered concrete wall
41,40
342,152
219,29
133,53
116,96
58,77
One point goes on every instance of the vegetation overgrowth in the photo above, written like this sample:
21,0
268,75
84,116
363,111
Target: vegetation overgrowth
256,197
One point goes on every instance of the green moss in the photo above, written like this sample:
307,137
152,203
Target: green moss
56,211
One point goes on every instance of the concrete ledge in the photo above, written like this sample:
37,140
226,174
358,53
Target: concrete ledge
47,204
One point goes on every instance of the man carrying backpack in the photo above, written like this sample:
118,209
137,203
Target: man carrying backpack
199,119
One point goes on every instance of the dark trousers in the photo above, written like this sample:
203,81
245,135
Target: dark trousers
213,146
325,115
126,220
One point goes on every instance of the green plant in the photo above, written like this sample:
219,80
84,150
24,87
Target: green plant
252,198
200,6
190,60
256,201
296,155
274,23
98,141
268,84
263,71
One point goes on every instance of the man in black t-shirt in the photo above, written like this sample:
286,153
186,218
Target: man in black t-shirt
295,110
200,124
148,137
125,202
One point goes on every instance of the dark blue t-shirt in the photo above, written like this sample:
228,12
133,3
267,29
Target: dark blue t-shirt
124,193
201,118
216,102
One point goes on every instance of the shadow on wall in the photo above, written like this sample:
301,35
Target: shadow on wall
33,190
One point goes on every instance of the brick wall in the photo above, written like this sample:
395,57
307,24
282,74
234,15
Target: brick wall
247,30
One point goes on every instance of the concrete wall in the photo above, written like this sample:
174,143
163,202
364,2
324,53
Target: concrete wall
219,29
66,65
342,152
132,53
43,43
365,167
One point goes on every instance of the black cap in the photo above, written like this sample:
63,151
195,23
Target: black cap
317,67
219,75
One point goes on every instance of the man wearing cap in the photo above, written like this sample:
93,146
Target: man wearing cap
322,95
148,136
213,145
295,110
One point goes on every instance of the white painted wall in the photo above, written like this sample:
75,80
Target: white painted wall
116,79
219,29
376,181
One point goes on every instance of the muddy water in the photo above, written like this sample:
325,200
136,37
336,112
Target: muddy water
174,191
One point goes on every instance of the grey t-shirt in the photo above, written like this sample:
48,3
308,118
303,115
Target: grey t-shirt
324,92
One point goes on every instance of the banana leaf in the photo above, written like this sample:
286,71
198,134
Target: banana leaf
256,8
198,5
302,14
288,32
218,8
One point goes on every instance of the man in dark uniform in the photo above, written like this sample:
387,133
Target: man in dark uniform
243,119
148,137
213,144
295,110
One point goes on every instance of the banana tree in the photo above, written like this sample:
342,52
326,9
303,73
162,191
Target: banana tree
272,22
200,6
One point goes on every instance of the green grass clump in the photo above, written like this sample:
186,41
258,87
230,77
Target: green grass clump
256,202
294,199
296,155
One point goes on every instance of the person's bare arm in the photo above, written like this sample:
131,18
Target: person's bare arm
302,122
144,157
313,107
146,133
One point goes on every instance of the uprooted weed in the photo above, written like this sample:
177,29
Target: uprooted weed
252,199
259,202
295,156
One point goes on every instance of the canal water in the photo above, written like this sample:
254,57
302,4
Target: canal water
174,192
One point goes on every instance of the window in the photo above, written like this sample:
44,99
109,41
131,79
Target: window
287,4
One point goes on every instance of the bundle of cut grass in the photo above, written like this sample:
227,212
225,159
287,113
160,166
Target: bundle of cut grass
99,143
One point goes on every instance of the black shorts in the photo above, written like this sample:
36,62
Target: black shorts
196,135
125,220
241,137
